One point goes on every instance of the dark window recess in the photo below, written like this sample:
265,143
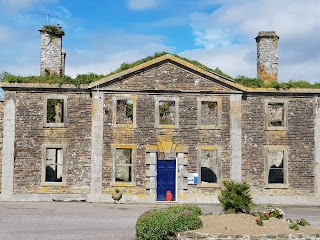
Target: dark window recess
276,170
207,175
54,164
124,112
55,111
167,112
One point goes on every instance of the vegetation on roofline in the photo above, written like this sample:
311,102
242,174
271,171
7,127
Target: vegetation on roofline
92,77
54,79
55,30
258,83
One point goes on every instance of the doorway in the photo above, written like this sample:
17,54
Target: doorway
166,179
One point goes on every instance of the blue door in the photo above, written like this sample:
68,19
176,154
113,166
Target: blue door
166,179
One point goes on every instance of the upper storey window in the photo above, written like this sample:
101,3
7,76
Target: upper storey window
276,115
124,109
209,113
55,110
166,112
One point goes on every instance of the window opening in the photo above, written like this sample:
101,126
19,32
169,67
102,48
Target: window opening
55,111
276,169
209,113
124,112
123,165
54,165
275,114
167,112
209,166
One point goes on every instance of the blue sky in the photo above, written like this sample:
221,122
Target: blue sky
100,35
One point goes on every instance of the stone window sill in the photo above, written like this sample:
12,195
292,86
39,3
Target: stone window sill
276,186
167,126
276,129
206,127
126,184
208,185
53,184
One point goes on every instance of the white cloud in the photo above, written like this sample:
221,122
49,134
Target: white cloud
139,5
233,60
237,23
107,50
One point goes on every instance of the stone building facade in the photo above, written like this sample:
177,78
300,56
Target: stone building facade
164,125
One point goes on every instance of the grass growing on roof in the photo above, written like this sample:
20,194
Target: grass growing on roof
56,30
92,77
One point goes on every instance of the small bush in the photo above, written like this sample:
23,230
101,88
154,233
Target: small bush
235,197
165,223
276,213
303,222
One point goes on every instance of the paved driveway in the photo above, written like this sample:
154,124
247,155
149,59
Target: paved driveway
74,220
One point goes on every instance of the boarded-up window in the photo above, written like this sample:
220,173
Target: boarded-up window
276,163
123,165
209,166
124,114
209,113
54,165
276,115
55,110
167,112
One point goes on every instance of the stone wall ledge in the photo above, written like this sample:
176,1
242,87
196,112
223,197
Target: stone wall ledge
191,235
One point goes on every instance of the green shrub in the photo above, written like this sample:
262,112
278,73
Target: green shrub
235,197
53,30
303,222
165,223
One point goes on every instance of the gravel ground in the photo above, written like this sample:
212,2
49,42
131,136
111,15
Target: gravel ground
246,224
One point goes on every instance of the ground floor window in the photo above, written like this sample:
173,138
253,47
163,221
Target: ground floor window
53,164
209,165
276,166
123,163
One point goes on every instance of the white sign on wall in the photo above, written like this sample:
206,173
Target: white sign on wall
193,178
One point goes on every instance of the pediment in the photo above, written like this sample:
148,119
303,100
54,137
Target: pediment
167,73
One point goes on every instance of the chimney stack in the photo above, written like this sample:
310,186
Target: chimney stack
267,56
52,58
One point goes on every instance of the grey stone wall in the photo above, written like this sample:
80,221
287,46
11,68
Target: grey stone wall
267,56
188,134
31,135
50,54
166,77
298,137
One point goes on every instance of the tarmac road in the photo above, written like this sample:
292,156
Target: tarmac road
80,220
